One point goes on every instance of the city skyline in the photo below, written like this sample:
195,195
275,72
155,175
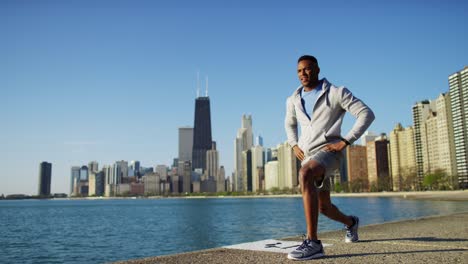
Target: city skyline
366,167
118,84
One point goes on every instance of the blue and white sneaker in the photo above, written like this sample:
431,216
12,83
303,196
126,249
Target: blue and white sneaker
352,231
308,250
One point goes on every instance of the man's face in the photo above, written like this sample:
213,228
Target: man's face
308,72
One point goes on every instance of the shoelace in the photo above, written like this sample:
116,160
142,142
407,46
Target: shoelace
304,244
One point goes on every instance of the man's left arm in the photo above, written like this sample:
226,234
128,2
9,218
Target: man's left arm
363,114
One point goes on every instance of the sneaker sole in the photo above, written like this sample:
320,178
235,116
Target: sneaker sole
316,256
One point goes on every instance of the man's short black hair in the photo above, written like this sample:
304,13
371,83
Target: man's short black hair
309,58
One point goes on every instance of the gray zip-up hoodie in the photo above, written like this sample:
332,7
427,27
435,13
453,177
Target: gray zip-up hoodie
324,127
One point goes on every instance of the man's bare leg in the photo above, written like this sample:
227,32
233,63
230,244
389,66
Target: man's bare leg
310,172
331,211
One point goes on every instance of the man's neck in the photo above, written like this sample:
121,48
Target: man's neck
311,86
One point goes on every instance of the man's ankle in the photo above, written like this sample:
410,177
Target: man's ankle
313,238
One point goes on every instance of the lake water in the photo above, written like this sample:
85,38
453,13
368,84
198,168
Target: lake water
97,231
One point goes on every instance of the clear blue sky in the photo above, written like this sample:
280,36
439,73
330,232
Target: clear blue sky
112,80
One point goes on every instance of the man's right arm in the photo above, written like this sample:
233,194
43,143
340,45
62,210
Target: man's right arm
290,125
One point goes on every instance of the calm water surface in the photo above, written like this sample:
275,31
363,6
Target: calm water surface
97,231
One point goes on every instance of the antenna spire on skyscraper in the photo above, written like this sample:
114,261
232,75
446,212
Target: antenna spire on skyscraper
206,92
198,83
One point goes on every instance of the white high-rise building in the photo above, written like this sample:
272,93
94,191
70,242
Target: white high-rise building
271,175
92,184
435,148
458,83
368,136
243,142
287,167
446,148
428,134
185,143
437,137
421,112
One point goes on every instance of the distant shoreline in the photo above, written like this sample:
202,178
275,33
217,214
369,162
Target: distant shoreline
459,195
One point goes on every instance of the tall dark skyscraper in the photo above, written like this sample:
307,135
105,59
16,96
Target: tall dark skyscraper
45,175
201,132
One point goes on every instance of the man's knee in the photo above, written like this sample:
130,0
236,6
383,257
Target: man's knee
305,176
308,175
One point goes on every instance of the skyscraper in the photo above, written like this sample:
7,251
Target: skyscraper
93,166
221,180
84,172
152,184
402,157
458,90
185,170
243,142
212,162
445,158
378,164
110,180
271,175
271,154
120,172
287,167
75,178
247,170
45,175
96,183
185,143
437,139
135,166
421,112
258,159
367,137
161,170
259,141
356,158
201,132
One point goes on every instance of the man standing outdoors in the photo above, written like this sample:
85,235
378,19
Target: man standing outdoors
319,107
